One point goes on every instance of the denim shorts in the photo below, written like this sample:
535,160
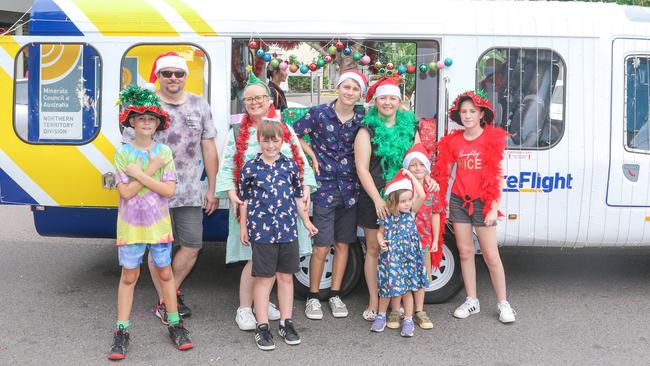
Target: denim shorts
131,255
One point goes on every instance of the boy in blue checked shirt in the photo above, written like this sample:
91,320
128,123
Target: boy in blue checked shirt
270,188
332,128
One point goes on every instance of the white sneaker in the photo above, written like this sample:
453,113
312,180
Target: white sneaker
469,307
274,313
245,319
506,312
339,310
313,310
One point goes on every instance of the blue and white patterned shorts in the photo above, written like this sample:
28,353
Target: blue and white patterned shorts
130,255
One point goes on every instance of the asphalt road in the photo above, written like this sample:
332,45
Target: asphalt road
574,307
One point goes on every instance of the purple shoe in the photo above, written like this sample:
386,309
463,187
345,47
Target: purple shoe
407,328
378,324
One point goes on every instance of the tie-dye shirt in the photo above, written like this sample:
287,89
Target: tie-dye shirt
144,219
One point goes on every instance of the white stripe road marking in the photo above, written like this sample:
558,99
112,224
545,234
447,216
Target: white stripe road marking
25,182
171,16
80,20
96,158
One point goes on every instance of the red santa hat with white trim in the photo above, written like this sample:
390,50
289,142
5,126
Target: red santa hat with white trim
400,181
384,86
417,151
169,59
355,75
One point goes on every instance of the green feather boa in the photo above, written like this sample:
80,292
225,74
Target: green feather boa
392,142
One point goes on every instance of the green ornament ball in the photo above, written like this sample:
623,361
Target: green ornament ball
433,66
356,56
331,50
423,68
274,63
320,62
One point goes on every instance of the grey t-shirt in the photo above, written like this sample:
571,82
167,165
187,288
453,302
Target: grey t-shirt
189,123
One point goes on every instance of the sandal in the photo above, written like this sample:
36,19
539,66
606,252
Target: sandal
369,315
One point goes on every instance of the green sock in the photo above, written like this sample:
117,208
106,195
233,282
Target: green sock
124,324
173,318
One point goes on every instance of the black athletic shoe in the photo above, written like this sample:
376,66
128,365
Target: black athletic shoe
264,338
183,310
180,336
120,345
288,332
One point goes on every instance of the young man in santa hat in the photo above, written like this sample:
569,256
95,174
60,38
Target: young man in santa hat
191,137
332,128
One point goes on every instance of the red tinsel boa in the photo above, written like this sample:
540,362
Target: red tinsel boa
492,172
241,144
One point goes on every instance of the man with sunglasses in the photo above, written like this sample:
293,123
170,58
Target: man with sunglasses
191,137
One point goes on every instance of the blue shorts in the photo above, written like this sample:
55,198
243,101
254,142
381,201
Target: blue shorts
131,255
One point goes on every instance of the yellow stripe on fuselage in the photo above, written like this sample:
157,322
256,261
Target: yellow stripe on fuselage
63,172
192,18
141,18
529,190
9,45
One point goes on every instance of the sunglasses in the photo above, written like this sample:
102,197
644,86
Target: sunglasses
168,74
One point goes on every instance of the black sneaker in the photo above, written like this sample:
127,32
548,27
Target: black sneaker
120,345
161,312
180,336
183,310
288,332
264,338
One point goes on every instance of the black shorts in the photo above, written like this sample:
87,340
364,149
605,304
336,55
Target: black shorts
335,224
460,215
271,258
366,212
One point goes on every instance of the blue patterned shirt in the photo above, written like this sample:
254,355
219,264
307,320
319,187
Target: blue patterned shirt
333,144
271,191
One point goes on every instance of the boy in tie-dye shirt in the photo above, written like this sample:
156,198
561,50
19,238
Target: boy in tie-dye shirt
146,179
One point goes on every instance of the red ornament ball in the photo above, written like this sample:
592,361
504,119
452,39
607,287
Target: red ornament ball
313,67
252,45
340,46
410,69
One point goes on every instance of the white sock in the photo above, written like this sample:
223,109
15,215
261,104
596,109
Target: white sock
282,322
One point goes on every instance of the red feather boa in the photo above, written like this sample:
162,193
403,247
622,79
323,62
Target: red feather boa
241,144
492,172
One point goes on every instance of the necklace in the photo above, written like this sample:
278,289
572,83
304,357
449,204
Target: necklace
392,142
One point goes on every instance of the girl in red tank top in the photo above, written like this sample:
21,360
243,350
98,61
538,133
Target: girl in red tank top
476,152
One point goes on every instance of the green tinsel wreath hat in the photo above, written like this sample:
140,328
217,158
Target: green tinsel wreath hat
254,80
138,100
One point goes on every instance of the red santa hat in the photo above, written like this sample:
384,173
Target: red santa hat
400,181
355,75
417,151
169,59
384,86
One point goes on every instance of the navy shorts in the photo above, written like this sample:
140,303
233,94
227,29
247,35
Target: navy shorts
335,224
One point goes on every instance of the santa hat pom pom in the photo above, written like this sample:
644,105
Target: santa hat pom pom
150,87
